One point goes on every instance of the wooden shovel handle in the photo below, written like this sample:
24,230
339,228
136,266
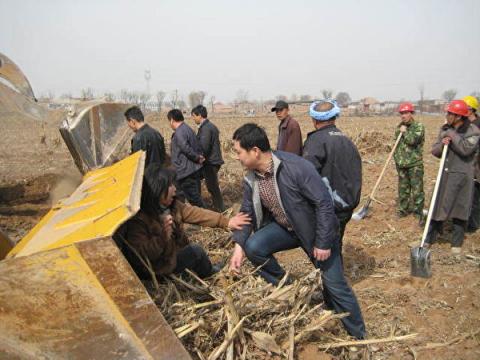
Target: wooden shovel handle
385,166
435,191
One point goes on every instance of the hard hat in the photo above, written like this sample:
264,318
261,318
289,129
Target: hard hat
458,107
324,115
406,106
471,101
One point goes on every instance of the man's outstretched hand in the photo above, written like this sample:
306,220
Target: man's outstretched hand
237,259
237,222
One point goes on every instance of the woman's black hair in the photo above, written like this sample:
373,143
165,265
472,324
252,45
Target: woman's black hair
156,181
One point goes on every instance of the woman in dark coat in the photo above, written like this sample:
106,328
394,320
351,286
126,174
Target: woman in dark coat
154,238
454,198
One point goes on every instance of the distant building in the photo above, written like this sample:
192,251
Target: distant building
221,108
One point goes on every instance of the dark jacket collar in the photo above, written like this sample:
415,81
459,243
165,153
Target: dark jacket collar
322,128
204,122
464,127
143,128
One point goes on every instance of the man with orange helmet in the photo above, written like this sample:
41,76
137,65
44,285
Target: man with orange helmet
456,188
474,219
409,162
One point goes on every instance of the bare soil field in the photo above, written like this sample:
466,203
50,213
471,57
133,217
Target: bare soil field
36,169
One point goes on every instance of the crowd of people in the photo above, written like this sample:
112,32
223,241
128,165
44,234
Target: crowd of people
301,195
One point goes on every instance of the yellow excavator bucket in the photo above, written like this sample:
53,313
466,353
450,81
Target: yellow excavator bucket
67,292
106,198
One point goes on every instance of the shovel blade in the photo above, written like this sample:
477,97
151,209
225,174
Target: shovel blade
362,213
420,262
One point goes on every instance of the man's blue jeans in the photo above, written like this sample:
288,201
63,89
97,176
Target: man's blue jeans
259,249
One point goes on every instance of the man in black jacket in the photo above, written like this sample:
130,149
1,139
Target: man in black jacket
290,206
146,138
336,159
474,219
187,157
208,137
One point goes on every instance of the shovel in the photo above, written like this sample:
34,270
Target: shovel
419,256
360,214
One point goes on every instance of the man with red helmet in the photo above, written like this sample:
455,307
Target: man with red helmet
409,162
454,198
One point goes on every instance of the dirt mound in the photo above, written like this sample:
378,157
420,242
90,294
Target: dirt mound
28,191
31,148
372,141
22,204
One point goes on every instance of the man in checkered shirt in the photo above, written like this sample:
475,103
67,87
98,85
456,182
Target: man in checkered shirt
290,206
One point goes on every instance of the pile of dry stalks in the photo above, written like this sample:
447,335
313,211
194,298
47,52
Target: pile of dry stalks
372,141
244,318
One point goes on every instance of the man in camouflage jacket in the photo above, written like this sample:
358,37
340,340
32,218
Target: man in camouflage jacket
409,162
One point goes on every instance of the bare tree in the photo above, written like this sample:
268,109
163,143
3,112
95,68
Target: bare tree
476,94
51,95
143,98
66,96
181,104
196,98
86,94
327,93
449,94
174,98
212,104
305,98
160,99
133,97
281,97
343,99
201,96
242,96
421,89
294,97
124,95
48,96
109,96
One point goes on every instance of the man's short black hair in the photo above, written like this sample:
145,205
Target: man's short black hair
134,113
251,135
200,110
175,115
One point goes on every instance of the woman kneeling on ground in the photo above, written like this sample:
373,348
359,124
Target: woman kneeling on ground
155,236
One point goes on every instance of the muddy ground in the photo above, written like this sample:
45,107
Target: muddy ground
36,169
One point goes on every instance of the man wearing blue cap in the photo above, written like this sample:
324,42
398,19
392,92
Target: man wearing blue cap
336,159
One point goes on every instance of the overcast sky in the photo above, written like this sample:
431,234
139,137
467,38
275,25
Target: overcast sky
384,49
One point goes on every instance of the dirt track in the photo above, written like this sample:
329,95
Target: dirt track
35,165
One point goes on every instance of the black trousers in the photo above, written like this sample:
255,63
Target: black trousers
190,186
458,233
474,219
194,258
210,173
343,219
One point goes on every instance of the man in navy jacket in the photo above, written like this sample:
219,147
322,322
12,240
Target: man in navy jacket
187,157
290,206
